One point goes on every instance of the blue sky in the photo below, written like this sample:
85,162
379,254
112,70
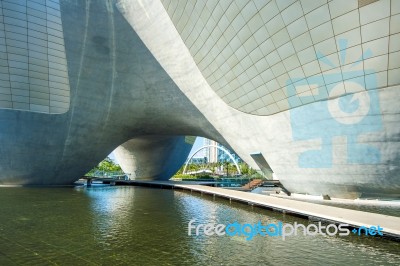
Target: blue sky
197,145
112,156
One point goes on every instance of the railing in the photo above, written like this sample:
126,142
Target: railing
113,175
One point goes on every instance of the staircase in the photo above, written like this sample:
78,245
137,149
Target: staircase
252,184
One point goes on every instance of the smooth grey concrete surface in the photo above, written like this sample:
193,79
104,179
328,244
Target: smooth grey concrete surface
274,135
152,157
133,80
118,92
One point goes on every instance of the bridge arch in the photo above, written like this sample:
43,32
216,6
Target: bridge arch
219,148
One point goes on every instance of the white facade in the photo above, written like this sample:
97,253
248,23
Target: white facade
211,153
308,90
326,120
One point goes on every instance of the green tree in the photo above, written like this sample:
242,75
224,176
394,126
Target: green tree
244,168
227,164
107,166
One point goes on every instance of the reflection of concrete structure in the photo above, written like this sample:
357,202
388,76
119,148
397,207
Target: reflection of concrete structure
310,85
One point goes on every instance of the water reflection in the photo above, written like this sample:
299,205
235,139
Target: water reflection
144,226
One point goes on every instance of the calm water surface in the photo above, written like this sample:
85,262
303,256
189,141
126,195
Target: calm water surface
143,226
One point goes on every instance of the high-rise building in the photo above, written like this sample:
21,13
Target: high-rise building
211,153
214,154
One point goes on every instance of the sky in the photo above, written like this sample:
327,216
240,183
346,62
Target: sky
197,145
112,156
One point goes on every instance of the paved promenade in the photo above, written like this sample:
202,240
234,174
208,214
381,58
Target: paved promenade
390,224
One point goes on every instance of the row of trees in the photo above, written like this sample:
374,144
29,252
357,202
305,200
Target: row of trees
229,168
106,166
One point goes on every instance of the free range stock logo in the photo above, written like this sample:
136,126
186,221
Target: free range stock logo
279,229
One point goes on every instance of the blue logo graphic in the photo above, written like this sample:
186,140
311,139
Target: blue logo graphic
368,231
351,111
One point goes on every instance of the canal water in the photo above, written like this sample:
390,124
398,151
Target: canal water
108,225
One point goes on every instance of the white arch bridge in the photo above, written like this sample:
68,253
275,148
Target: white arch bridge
219,148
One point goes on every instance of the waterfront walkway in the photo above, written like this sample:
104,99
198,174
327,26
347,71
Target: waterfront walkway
354,218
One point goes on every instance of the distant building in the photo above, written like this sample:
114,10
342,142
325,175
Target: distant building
211,153
214,155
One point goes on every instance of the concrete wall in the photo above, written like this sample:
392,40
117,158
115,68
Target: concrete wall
134,81
153,157
33,66
118,92
278,137
249,51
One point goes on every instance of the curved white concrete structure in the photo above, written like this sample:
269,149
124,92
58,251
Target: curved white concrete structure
312,86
